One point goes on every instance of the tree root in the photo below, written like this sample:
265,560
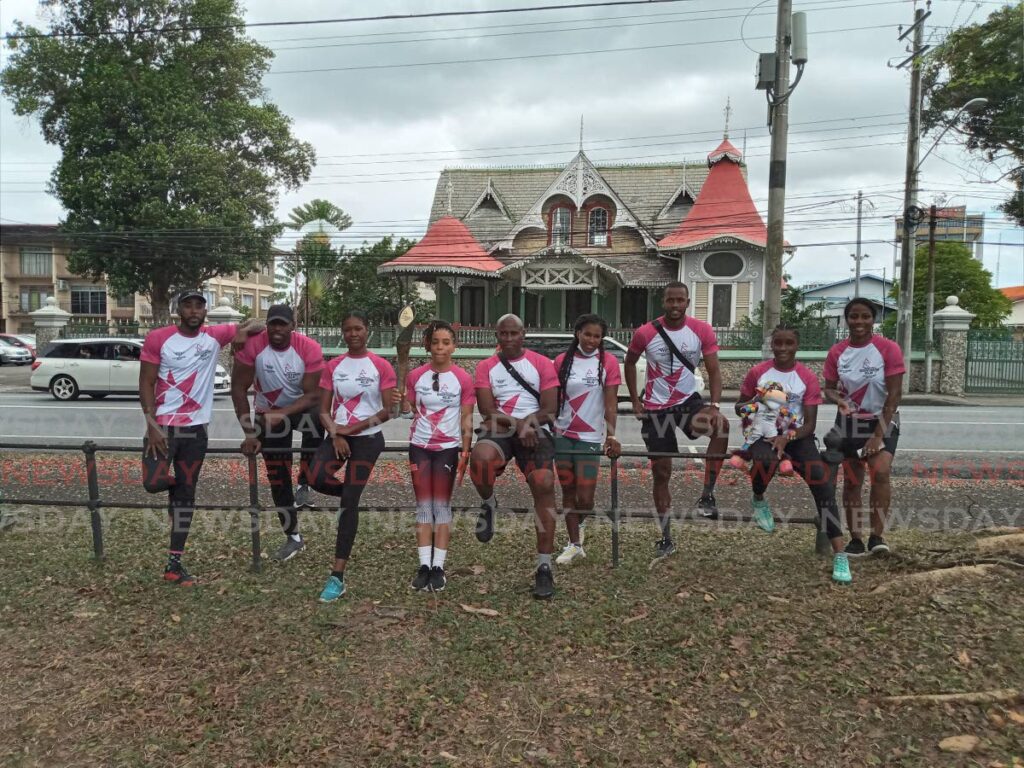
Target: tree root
973,697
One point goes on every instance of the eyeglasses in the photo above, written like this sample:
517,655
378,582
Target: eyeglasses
435,384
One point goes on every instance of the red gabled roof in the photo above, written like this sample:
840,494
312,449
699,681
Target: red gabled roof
447,244
723,208
1013,293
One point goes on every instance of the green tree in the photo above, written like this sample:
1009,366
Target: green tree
304,276
984,60
957,273
171,154
792,311
318,210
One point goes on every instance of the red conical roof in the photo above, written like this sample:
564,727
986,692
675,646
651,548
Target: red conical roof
723,208
448,243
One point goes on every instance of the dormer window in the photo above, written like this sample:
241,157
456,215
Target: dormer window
597,227
561,226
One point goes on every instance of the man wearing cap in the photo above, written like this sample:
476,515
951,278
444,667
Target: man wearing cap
283,367
176,375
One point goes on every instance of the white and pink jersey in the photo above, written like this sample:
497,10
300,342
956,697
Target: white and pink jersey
799,383
861,372
357,384
278,380
437,423
669,382
582,413
184,385
509,396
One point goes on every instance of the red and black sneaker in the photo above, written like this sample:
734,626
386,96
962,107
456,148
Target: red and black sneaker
177,574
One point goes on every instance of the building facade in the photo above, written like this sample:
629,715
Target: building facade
952,224
551,243
833,297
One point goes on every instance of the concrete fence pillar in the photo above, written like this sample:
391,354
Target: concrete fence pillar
219,315
49,320
952,323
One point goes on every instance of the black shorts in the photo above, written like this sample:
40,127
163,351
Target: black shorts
855,434
659,427
527,459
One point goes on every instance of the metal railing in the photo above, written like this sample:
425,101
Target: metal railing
95,502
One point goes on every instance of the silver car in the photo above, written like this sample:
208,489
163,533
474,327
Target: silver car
11,353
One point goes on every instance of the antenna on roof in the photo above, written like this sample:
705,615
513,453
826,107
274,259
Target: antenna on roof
744,142
449,190
581,133
728,114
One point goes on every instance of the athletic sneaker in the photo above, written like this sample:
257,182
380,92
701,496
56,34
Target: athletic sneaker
421,580
289,549
570,553
178,575
437,580
544,583
304,497
877,545
855,548
841,569
333,589
822,545
707,507
763,515
664,548
485,523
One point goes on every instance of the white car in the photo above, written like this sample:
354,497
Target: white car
97,367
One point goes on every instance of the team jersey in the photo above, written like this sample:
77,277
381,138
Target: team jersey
861,372
582,414
437,419
279,373
509,396
357,384
669,382
184,385
799,383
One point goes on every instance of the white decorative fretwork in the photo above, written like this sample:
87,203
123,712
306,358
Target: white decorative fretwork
548,275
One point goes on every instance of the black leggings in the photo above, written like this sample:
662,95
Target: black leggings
279,465
358,466
810,466
186,450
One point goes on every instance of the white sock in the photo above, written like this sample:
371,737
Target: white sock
439,556
295,537
424,553
493,502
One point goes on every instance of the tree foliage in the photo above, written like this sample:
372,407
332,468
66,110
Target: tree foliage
984,60
957,273
318,210
171,154
792,312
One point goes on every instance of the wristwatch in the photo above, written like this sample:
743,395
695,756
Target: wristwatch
716,405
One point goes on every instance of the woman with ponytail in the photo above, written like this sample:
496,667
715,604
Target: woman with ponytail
588,378
442,398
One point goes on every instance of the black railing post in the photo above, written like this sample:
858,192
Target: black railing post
92,477
615,512
254,515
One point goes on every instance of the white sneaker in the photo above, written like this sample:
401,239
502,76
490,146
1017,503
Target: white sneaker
570,553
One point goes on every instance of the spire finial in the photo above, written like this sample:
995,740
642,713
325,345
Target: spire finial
449,190
744,142
581,133
728,114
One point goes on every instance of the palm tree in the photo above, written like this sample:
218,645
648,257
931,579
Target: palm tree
318,211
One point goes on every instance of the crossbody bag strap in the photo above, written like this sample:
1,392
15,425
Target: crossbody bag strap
674,349
518,377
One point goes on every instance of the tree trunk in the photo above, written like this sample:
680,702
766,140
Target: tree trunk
160,299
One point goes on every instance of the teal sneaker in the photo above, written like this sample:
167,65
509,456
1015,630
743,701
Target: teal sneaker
841,569
333,589
763,515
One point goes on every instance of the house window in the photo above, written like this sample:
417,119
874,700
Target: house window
264,303
247,300
723,264
211,298
33,297
37,262
633,313
597,227
471,305
126,301
721,305
88,301
561,226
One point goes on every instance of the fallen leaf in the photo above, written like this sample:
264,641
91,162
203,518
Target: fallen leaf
709,598
964,658
682,595
959,744
1016,716
480,611
390,613
739,643
638,617
175,618
447,755
774,599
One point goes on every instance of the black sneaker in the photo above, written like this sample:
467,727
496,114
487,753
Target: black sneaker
544,583
437,580
421,581
485,523
707,507
304,497
176,574
664,548
877,546
289,549
855,548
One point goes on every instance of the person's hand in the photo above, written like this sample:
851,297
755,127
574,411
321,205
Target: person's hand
251,446
873,446
527,435
612,447
638,410
341,448
844,408
396,398
156,441
779,445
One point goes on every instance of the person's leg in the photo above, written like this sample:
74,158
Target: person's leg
853,486
880,467
365,451
707,422
565,474
486,462
189,452
323,470
809,464
279,475
419,469
764,463
588,469
312,431
444,465
659,434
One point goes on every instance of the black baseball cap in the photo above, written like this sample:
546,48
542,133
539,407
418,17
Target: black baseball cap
280,312
191,293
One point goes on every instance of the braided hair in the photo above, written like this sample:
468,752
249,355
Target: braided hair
436,325
787,327
570,353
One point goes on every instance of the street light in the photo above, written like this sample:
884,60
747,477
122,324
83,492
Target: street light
911,217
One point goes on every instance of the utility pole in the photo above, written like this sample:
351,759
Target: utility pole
857,256
906,307
930,305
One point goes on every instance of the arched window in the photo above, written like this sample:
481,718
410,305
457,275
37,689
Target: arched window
723,265
560,232
597,227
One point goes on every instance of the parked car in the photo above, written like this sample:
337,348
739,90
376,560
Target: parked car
14,353
97,367
19,341
30,341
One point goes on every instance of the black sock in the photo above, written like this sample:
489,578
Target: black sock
709,490
174,560
339,574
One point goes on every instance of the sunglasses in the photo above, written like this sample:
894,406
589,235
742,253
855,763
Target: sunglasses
435,384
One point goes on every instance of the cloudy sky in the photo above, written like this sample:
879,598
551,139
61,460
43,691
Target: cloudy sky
651,82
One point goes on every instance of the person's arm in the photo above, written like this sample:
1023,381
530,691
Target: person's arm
894,391
157,440
833,395
714,376
748,390
466,426
489,412
612,448
309,398
250,327
242,376
528,427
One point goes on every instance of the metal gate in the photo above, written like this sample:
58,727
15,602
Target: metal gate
995,363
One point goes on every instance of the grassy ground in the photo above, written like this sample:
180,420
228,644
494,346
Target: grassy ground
736,652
